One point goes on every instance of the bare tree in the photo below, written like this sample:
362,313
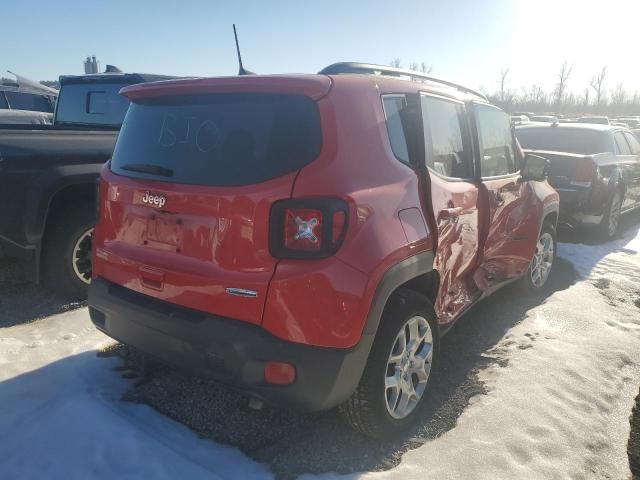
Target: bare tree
413,66
586,97
538,94
561,86
618,95
396,63
424,68
597,83
503,78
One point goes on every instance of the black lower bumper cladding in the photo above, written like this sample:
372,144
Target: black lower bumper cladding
227,350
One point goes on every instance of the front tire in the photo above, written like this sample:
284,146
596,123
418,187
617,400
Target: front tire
392,391
541,266
66,261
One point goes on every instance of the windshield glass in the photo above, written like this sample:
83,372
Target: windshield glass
218,139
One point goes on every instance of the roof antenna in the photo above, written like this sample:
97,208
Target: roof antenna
241,70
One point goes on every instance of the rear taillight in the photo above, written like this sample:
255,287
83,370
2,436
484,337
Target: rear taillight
307,228
583,173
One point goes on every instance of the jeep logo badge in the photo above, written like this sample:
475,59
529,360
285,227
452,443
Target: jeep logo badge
154,200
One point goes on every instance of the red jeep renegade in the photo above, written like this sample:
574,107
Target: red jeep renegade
309,238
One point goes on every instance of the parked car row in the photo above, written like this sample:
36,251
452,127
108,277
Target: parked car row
627,122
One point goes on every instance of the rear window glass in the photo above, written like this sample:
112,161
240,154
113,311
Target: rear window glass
569,140
218,139
92,104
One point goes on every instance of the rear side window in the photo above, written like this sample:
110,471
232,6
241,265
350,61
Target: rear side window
394,111
3,102
444,124
218,139
496,141
92,104
622,147
29,101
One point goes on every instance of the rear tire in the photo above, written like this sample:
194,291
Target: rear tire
66,256
537,276
609,226
374,409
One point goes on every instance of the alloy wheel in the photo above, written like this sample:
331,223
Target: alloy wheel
81,257
542,260
408,367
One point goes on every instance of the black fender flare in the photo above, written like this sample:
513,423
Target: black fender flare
397,275
43,188
549,209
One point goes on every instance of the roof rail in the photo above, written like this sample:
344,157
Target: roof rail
369,68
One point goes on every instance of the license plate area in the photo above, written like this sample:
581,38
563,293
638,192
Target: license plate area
164,232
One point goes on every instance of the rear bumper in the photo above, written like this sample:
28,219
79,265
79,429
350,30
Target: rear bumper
577,209
227,350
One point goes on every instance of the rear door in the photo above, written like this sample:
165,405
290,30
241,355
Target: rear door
512,220
454,196
192,182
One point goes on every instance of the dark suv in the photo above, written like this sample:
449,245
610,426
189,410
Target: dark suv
310,238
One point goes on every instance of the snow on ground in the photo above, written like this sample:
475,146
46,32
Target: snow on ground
557,408
61,416
560,409
586,258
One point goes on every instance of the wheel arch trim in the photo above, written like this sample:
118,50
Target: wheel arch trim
394,277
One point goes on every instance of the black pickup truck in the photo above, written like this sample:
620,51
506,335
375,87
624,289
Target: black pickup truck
595,169
48,175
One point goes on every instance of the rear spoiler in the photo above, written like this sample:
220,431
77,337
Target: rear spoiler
314,86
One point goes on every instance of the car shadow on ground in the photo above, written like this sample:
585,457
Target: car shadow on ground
23,302
293,443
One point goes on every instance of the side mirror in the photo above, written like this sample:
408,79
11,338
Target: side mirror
534,168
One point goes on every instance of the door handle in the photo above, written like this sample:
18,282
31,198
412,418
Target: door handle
449,215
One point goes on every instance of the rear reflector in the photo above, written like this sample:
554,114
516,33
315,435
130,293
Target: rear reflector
279,373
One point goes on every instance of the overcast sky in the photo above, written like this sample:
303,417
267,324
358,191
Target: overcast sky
469,41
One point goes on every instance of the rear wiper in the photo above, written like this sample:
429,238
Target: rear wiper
148,168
